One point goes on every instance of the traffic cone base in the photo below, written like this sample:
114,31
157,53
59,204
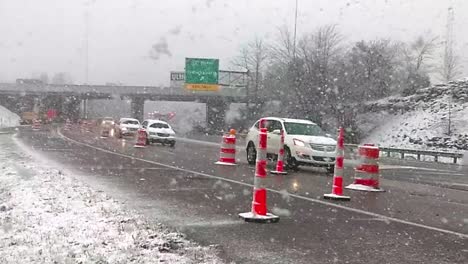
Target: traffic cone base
332,196
279,172
255,218
225,163
361,187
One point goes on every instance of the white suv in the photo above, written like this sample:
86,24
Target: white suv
126,127
158,131
305,143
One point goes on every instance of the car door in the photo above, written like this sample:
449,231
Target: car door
273,139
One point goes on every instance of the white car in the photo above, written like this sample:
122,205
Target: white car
158,131
305,143
126,127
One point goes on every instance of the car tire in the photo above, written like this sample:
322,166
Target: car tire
148,142
289,161
331,169
251,153
172,144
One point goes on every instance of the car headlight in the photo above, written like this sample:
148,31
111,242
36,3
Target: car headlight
299,142
153,133
124,129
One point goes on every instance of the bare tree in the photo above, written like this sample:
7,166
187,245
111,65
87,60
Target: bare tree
451,67
252,58
417,63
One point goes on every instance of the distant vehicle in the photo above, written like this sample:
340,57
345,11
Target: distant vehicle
27,118
107,121
126,127
305,143
29,81
158,131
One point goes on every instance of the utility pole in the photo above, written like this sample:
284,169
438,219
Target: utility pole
86,51
448,57
86,44
295,32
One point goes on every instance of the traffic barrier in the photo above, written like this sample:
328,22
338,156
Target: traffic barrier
259,212
280,161
227,153
367,174
141,139
67,125
36,125
337,189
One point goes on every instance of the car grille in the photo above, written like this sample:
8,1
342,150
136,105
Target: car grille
323,159
324,148
132,129
162,135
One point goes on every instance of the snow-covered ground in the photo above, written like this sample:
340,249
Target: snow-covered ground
7,118
49,217
420,121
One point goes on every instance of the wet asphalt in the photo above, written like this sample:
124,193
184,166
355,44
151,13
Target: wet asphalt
422,217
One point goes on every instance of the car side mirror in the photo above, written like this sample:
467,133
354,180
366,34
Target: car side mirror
276,132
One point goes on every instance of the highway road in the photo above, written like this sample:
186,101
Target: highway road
421,218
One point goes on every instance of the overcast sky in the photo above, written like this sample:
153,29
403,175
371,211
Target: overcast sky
49,35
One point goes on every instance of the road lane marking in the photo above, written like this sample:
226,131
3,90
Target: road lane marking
375,215
395,167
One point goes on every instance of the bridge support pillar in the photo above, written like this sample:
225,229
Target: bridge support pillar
215,114
137,108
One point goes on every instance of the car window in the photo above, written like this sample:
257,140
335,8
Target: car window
272,125
130,122
159,125
145,123
303,129
257,124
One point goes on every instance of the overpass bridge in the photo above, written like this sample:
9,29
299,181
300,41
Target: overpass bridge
68,99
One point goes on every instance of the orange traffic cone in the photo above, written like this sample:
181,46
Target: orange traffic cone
141,139
280,161
259,212
67,125
337,189
36,125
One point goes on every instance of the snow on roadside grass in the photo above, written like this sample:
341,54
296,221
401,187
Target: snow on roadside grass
49,217
7,118
421,128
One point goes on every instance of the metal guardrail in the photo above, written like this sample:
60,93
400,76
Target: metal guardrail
418,153
400,151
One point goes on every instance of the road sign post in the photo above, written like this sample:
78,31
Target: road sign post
201,74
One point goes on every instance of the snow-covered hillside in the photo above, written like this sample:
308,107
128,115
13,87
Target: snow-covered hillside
420,121
7,118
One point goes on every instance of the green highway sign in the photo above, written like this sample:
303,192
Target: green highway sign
201,74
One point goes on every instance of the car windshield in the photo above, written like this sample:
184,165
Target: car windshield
303,129
130,122
159,125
